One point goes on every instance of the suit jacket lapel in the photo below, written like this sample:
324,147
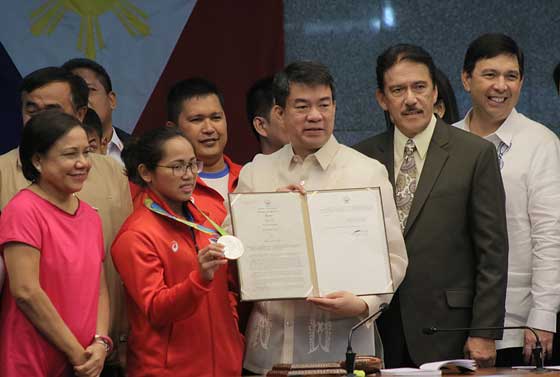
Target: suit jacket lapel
388,155
435,160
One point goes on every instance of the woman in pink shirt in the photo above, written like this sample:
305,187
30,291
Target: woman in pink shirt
55,309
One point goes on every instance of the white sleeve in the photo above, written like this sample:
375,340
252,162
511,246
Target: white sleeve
398,257
244,184
544,214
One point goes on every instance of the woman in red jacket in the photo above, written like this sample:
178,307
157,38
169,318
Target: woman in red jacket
183,319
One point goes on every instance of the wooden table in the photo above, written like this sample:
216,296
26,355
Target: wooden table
501,372
514,372
495,372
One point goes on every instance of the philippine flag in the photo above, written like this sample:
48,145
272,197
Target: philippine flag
145,46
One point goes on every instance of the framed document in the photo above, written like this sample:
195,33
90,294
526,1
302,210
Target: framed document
298,246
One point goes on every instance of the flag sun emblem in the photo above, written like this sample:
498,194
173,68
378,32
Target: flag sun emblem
46,18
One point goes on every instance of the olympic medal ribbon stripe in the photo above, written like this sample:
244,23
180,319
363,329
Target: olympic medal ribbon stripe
156,208
218,228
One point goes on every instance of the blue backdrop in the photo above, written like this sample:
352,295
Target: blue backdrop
349,35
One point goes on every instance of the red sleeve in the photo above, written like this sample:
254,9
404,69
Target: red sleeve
141,270
2,272
241,310
20,224
233,288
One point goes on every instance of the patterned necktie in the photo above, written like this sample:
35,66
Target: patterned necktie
502,149
406,183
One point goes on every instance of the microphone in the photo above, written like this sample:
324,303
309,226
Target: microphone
350,355
537,351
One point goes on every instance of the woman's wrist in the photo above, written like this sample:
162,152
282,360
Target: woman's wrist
101,346
105,341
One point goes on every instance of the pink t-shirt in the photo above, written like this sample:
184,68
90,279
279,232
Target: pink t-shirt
71,248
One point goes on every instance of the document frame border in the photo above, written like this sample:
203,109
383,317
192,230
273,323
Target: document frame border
372,188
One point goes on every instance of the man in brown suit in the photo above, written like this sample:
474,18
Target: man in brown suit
451,204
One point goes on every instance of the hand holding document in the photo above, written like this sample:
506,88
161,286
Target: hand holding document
293,188
297,246
341,303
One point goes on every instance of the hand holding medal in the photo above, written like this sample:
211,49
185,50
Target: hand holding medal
210,258
233,248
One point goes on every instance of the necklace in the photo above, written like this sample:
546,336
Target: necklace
70,205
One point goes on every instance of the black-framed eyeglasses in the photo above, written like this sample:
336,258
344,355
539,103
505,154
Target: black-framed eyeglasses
179,169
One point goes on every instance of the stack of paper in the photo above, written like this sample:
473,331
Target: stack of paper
410,372
434,369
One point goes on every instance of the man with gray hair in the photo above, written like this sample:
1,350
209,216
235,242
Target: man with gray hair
297,331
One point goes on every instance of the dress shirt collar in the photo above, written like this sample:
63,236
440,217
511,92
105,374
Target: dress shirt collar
505,132
421,140
115,143
324,155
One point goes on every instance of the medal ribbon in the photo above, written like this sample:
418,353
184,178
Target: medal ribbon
156,208
218,228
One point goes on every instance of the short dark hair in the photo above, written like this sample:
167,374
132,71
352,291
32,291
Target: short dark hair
556,76
447,95
92,123
398,53
148,150
259,101
93,66
40,134
489,46
44,76
187,89
301,72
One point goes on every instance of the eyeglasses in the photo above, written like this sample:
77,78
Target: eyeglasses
179,169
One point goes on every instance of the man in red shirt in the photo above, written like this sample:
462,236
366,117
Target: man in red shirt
197,107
